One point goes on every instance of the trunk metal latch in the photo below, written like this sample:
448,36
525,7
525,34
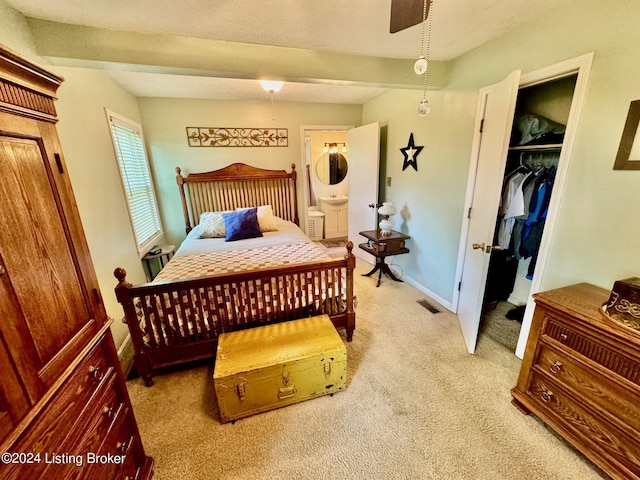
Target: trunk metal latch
241,390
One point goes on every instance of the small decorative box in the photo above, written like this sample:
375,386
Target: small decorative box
624,303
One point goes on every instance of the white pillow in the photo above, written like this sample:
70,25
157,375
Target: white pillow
212,225
266,219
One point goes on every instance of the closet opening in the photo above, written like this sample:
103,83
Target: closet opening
541,115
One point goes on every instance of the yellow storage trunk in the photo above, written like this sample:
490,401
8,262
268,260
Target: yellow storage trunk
267,367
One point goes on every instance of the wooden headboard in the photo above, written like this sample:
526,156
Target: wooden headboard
238,186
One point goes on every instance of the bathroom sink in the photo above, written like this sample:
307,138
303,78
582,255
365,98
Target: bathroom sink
337,200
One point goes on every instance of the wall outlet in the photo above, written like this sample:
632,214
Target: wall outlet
388,181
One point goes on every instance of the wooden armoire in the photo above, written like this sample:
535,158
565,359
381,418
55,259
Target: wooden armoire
64,408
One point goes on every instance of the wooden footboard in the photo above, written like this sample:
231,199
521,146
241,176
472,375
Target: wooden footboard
177,322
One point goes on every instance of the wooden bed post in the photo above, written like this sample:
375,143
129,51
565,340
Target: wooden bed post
294,177
123,295
351,315
185,210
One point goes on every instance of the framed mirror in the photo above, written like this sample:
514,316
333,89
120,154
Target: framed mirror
332,168
628,157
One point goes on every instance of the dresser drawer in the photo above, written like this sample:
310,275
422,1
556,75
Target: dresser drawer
51,430
100,419
583,342
610,447
131,470
93,428
620,402
90,431
123,446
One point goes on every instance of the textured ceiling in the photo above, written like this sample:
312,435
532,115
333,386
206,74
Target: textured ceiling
358,27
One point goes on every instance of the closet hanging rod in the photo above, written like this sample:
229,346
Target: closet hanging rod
554,146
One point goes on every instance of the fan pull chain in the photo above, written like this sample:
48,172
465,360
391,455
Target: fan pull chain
424,17
428,38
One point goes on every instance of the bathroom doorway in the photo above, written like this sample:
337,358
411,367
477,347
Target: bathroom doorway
347,205
325,181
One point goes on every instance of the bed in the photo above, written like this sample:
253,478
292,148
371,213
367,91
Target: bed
211,286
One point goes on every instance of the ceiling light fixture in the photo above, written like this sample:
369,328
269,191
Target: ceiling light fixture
271,87
421,66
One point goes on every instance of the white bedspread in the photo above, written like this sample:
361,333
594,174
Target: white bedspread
213,256
288,232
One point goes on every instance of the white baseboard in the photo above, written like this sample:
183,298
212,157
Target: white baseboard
434,296
123,345
125,355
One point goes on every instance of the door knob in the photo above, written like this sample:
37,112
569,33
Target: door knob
478,246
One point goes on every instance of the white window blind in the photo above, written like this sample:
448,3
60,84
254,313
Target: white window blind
136,181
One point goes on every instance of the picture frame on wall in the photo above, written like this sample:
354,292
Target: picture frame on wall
628,157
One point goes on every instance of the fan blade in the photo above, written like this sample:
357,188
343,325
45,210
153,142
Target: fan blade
406,13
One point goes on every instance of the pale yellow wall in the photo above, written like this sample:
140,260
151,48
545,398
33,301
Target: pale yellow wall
89,156
165,121
86,142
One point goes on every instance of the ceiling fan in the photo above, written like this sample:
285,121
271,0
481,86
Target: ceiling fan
407,13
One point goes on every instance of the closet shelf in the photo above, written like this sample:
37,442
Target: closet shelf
528,148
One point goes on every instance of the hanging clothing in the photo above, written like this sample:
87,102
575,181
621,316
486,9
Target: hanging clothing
512,206
528,187
533,226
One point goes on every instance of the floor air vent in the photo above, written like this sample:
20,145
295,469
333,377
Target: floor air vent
428,306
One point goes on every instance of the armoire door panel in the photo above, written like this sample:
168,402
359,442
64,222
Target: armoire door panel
60,380
15,333
37,253
44,133
13,401
6,421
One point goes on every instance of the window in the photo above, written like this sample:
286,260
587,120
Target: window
128,144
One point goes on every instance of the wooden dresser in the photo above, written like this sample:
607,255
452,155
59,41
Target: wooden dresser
64,408
581,375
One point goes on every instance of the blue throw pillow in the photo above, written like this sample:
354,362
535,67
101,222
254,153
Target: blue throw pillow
241,224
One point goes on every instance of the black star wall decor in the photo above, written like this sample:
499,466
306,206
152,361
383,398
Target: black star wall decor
410,153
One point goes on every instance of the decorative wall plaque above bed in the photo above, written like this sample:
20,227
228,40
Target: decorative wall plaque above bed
237,137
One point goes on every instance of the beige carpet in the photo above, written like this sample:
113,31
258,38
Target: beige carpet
498,327
417,406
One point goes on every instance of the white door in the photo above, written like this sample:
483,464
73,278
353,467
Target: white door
364,158
491,144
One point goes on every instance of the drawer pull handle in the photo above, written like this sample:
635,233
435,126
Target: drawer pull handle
556,367
96,373
563,337
107,411
546,396
135,477
123,447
